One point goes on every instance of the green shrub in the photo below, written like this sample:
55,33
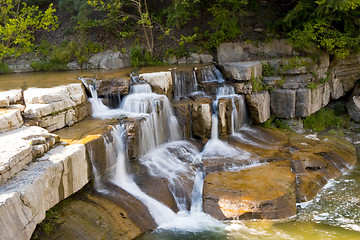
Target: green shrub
140,58
324,119
267,70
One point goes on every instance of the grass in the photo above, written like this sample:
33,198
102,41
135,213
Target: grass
267,70
326,118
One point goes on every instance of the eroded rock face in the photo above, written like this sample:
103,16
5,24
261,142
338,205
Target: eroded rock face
10,118
283,103
107,216
109,60
25,198
182,111
117,87
55,108
265,191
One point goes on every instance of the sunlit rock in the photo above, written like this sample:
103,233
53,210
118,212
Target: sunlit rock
264,191
161,82
244,71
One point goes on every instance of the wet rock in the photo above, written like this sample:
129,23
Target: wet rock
116,87
55,108
242,88
161,82
182,111
266,192
25,198
283,103
201,118
242,70
225,108
259,106
109,60
90,214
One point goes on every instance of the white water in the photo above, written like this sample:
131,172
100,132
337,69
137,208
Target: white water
184,84
211,74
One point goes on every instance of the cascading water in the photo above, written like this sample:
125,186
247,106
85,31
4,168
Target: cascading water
185,83
211,74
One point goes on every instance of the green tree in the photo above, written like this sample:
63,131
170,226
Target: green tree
331,25
127,13
18,22
180,12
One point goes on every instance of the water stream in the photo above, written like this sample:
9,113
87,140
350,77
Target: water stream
165,155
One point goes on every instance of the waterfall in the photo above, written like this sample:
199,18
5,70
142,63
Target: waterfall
211,74
185,83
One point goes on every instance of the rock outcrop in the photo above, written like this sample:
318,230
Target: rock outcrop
259,106
243,71
161,82
265,191
353,107
108,60
55,108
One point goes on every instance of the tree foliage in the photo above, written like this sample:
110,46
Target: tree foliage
18,22
331,25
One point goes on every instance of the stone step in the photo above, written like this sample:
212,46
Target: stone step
55,108
243,71
20,146
10,118
10,97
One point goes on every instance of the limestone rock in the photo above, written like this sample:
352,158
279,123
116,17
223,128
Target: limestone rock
242,51
297,81
283,103
10,97
25,198
116,87
242,70
54,108
27,144
265,191
201,118
206,58
353,107
20,65
73,65
303,102
109,60
161,82
10,119
182,112
225,108
107,216
259,106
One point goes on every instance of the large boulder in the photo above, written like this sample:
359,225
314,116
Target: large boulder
259,106
182,111
161,82
266,192
109,60
57,107
116,87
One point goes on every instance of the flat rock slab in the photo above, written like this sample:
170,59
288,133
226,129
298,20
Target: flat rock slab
242,71
10,97
10,119
161,82
57,107
21,146
264,191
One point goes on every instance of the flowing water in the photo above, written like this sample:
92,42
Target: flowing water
334,214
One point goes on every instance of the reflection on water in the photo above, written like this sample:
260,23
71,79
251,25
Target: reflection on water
333,214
